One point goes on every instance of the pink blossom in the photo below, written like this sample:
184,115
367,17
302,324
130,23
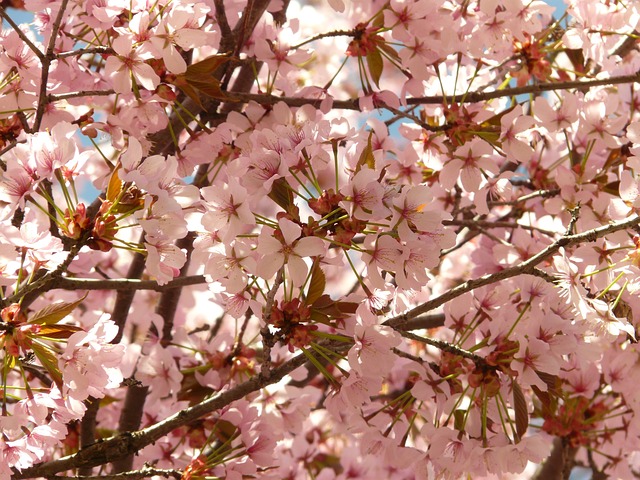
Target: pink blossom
467,164
512,124
563,116
227,210
571,285
379,99
288,250
89,363
534,357
385,254
160,372
371,355
181,27
164,259
231,267
54,150
127,63
364,195
411,212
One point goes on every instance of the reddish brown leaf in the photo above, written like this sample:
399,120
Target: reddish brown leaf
376,65
521,411
316,284
58,332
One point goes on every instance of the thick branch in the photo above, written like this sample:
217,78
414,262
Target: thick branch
555,466
134,475
124,284
354,104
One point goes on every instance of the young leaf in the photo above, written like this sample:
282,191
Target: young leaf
552,381
182,83
366,157
57,332
376,65
52,314
317,284
521,411
114,188
281,194
199,79
208,66
389,50
49,361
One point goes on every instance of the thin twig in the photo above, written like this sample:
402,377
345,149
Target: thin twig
524,198
46,64
267,336
471,97
7,18
84,51
444,346
221,18
320,36
478,224
54,97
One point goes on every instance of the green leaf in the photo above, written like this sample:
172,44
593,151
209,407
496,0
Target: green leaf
458,419
491,137
376,65
325,310
612,188
496,120
317,284
52,314
347,308
320,317
520,410
378,20
49,361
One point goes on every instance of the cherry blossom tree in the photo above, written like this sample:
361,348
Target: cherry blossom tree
328,239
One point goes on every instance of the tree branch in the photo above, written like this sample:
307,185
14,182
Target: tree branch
54,97
49,56
7,18
120,446
267,337
555,465
471,97
125,284
145,472
525,267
